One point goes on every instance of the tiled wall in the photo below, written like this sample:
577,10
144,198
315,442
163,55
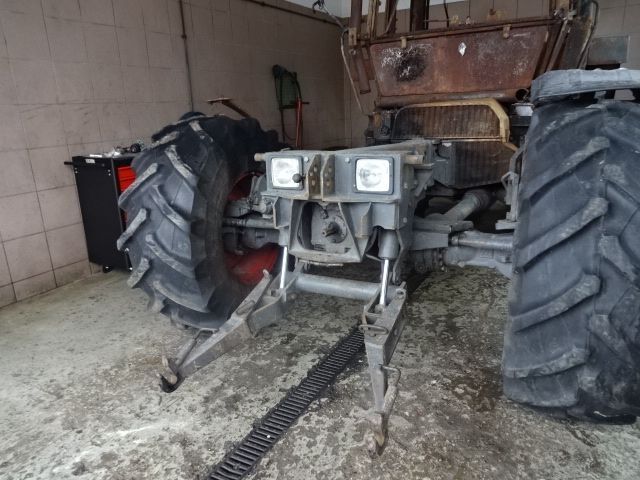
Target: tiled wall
80,76
617,17
247,41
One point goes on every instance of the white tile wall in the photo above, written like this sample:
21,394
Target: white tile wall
79,76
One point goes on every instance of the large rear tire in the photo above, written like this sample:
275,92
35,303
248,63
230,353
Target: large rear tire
175,210
572,342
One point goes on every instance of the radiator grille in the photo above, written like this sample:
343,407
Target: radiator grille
472,164
447,122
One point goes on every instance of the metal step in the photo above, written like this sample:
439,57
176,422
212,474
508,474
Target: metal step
244,456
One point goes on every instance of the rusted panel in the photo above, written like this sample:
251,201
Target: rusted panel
361,71
496,62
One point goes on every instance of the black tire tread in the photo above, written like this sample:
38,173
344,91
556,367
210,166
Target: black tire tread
173,215
572,342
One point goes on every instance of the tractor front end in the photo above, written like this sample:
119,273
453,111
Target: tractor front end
446,143
332,208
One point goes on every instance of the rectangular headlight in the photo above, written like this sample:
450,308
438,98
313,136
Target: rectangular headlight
373,175
283,170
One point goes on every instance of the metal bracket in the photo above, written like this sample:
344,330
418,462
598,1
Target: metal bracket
379,419
264,306
382,327
511,183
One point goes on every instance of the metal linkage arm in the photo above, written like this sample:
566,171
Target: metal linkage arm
482,250
382,327
263,306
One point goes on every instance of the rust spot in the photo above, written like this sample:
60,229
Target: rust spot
406,63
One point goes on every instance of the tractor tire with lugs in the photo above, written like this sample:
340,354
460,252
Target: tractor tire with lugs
175,210
572,342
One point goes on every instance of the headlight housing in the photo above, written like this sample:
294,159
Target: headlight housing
283,170
374,175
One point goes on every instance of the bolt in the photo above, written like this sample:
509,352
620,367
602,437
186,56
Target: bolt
347,159
330,229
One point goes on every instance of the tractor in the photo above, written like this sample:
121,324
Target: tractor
226,224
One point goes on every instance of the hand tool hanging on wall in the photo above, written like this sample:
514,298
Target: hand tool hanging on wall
289,96
229,103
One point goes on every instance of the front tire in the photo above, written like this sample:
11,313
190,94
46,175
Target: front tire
175,210
572,341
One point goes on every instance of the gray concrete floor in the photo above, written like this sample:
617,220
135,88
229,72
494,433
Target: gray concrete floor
79,397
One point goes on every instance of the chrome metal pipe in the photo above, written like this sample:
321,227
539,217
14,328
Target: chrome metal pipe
339,287
285,266
385,282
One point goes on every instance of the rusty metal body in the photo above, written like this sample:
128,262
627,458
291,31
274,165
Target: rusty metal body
460,85
451,109
463,63
496,59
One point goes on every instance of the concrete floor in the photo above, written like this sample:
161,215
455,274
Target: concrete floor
79,397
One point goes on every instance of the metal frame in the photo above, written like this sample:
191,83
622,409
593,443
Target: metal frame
265,305
382,325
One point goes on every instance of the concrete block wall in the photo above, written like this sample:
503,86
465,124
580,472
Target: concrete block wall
617,17
80,76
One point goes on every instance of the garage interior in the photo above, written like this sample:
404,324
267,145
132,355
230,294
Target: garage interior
81,351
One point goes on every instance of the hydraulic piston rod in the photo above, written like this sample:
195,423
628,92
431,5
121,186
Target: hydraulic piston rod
284,268
385,282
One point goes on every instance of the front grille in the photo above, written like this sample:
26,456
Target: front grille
472,163
468,121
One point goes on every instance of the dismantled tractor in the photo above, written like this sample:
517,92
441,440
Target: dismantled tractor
224,224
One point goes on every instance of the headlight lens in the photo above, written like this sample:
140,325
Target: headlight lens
373,175
282,171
